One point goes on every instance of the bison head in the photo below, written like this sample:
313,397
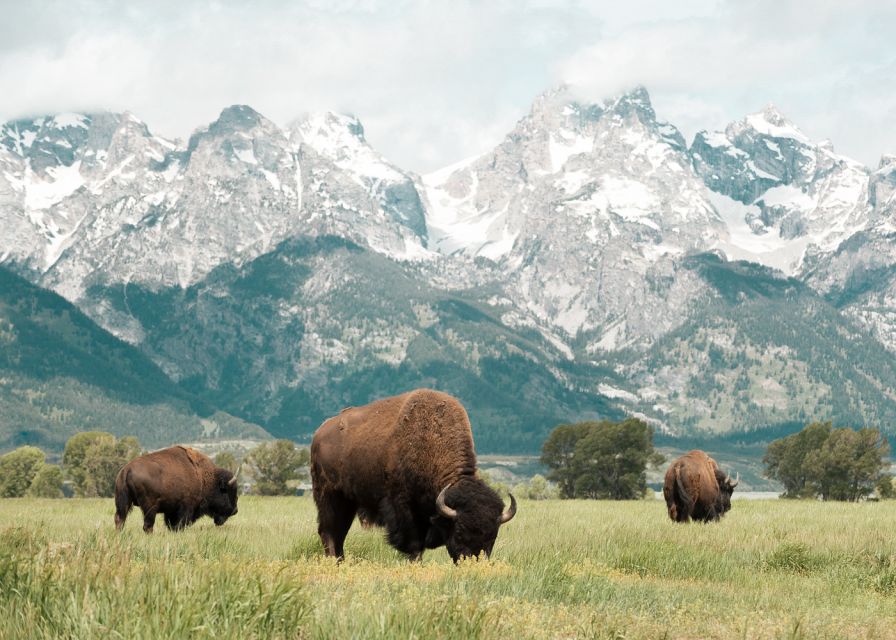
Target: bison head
469,515
222,499
726,488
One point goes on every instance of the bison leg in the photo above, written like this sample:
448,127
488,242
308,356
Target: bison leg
335,514
178,518
174,521
149,519
403,531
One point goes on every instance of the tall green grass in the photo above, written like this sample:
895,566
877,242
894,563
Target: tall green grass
561,569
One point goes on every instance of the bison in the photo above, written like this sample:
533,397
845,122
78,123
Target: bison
405,463
696,488
180,483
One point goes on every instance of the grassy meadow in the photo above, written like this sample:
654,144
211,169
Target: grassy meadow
561,569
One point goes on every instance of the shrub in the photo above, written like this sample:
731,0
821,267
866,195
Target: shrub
18,469
47,482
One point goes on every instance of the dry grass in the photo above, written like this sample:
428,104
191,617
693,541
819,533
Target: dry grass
570,569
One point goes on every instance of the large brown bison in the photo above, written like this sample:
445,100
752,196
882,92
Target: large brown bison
696,488
406,463
180,483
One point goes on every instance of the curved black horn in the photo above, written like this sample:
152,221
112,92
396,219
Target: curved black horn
443,508
736,482
507,516
232,481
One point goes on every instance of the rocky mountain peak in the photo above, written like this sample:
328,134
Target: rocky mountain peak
635,102
882,183
237,117
768,123
887,162
329,133
235,123
771,114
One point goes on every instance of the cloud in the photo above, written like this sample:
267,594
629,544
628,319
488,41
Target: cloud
434,82
825,67
430,80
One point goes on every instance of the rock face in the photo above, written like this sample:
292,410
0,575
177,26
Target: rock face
798,196
585,209
283,271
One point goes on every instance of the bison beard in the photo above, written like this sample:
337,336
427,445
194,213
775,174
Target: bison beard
180,483
405,463
695,488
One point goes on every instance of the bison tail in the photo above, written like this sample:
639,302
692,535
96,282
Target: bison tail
123,502
683,502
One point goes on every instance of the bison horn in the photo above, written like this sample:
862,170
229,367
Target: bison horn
232,481
443,508
730,483
507,516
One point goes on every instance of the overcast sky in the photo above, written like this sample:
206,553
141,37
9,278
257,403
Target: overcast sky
435,82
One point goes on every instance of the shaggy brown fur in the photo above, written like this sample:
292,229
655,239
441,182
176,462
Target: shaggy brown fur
696,488
180,483
388,461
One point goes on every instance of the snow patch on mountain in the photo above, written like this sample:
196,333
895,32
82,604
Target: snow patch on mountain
61,182
741,242
340,138
565,144
771,122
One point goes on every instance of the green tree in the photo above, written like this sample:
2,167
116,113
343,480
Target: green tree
18,469
75,453
885,487
558,455
848,465
92,459
833,464
276,466
47,482
785,458
606,460
226,460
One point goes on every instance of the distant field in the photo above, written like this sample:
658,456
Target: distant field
570,569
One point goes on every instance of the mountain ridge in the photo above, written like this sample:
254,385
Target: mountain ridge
580,227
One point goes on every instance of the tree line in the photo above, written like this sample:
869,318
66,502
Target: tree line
92,459
592,460
609,460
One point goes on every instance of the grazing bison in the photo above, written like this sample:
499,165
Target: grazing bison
696,488
178,482
406,463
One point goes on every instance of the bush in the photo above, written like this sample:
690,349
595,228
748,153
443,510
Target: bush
885,488
18,469
92,459
226,460
538,488
47,483
277,467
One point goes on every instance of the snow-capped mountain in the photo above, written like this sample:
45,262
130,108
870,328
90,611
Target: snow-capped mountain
586,209
797,197
101,199
577,240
